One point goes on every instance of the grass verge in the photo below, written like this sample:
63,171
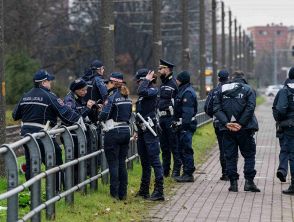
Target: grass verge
260,100
98,206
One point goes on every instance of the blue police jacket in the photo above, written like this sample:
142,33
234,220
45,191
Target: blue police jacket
167,93
236,103
186,106
146,103
97,89
77,103
40,105
117,107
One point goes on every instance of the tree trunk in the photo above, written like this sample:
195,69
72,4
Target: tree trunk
156,30
185,36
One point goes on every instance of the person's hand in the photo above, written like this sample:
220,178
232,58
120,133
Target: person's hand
149,75
90,103
234,127
135,136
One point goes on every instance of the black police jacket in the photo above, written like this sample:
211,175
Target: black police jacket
283,106
146,103
186,107
116,107
167,93
97,90
40,105
77,103
236,103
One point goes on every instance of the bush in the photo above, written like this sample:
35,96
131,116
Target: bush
19,70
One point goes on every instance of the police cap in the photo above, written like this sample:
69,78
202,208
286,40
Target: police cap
116,77
42,75
77,84
165,64
96,64
141,74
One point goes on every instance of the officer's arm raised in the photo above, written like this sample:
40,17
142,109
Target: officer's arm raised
145,91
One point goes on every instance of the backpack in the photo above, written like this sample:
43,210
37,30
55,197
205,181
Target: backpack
208,107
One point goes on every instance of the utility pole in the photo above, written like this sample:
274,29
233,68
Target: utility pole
2,87
156,30
185,36
223,37
214,44
235,46
230,44
240,49
107,35
244,51
202,52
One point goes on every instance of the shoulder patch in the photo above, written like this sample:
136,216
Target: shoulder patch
60,102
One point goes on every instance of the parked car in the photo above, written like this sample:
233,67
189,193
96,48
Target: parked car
272,90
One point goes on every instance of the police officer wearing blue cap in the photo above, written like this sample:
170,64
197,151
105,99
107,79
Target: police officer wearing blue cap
223,77
115,117
97,90
76,101
185,110
39,109
148,143
234,108
168,140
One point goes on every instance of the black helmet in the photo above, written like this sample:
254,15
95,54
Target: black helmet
141,74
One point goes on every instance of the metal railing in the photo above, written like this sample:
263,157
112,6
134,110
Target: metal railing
89,151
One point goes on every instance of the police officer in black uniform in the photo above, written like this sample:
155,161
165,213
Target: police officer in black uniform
234,108
115,116
97,90
185,110
36,109
75,100
148,143
168,140
283,112
223,77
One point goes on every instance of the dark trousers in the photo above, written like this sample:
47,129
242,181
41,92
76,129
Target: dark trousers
246,143
169,145
222,159
186,151
148,150
58,156
116,146
284,156
287,154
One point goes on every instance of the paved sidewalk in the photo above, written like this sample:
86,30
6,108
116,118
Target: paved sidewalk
208,199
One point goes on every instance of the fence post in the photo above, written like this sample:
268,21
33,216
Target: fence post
69,156
35,156
12,182
50,162
103,160
82,150
93,146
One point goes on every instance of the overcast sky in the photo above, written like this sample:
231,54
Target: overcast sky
261,12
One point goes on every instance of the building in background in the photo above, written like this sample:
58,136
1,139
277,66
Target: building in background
272,53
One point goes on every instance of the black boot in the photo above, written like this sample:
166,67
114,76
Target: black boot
290,190
185,178
281,176
176,172
224,177
158,192
234,186
143,191
250,186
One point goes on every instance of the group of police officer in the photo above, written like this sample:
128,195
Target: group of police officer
166,114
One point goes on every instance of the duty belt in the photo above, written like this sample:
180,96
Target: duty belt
163,113
110,124
34,124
